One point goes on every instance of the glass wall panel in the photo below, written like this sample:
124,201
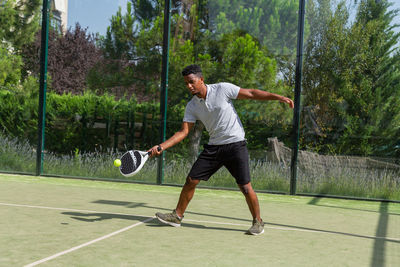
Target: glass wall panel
19,85
103,93
248,43
350,138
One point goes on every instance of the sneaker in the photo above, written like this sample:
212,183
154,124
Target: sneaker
257,228
169,218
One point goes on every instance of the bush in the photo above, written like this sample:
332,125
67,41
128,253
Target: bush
86,122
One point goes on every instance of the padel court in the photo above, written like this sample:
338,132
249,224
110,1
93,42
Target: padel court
65,222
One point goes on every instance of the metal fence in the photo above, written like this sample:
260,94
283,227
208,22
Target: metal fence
84,97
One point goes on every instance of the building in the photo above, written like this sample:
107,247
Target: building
59,9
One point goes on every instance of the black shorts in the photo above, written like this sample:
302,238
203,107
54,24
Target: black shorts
234,157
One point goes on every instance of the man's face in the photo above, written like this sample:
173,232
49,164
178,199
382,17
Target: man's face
194,83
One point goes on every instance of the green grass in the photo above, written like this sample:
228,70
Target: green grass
380,184
18,156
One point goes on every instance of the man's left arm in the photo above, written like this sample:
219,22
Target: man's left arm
257,94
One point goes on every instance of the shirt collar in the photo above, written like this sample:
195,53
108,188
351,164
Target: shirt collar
199,99
208,91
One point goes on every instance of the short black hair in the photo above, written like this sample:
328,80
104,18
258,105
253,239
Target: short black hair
192,69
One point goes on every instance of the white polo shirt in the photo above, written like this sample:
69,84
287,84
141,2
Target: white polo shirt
217,113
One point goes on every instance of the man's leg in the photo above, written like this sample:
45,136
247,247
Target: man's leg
187,192
205,166
186,195
252,200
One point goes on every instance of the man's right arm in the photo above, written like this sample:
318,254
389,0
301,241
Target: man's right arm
173,140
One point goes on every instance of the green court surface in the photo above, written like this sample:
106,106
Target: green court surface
62,222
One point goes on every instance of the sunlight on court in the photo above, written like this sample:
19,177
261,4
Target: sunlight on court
59,222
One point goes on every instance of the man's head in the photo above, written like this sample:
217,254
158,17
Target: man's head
192,69
194,80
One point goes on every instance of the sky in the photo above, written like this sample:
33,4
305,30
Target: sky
96,14
93,14
396,5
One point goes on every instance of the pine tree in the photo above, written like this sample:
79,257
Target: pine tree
351,80
19,21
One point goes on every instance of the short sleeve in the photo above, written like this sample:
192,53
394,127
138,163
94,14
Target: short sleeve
189,114
231,90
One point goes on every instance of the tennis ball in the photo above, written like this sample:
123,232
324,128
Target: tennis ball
117,163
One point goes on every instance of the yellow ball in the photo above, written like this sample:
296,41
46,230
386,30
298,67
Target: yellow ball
117,163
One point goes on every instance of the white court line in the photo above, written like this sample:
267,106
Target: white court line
87,243
199,221
151,218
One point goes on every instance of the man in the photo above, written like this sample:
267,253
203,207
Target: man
211,104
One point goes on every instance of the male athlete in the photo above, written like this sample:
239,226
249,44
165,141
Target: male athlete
212,104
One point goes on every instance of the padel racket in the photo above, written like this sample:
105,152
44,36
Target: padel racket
132,161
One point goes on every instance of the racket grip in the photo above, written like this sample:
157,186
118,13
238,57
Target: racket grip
158,149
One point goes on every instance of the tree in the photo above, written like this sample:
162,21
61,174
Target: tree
10,68
272,22
133,42
146,10
19,21
70,58
234,56
119,42
382,74
351,80
132,49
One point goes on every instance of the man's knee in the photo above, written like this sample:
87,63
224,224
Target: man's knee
191,182
245,188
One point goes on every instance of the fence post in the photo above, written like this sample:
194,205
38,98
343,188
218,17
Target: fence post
297,98
164,87
42,86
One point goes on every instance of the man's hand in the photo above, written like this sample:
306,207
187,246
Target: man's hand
155,150
287,101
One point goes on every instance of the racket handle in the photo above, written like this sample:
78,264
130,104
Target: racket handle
158,149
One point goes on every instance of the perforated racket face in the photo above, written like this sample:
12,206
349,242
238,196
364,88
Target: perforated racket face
130,161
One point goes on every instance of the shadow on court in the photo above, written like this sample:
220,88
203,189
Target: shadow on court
315,201
155,223
94,217
378,258
379,239
144,205
376,238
